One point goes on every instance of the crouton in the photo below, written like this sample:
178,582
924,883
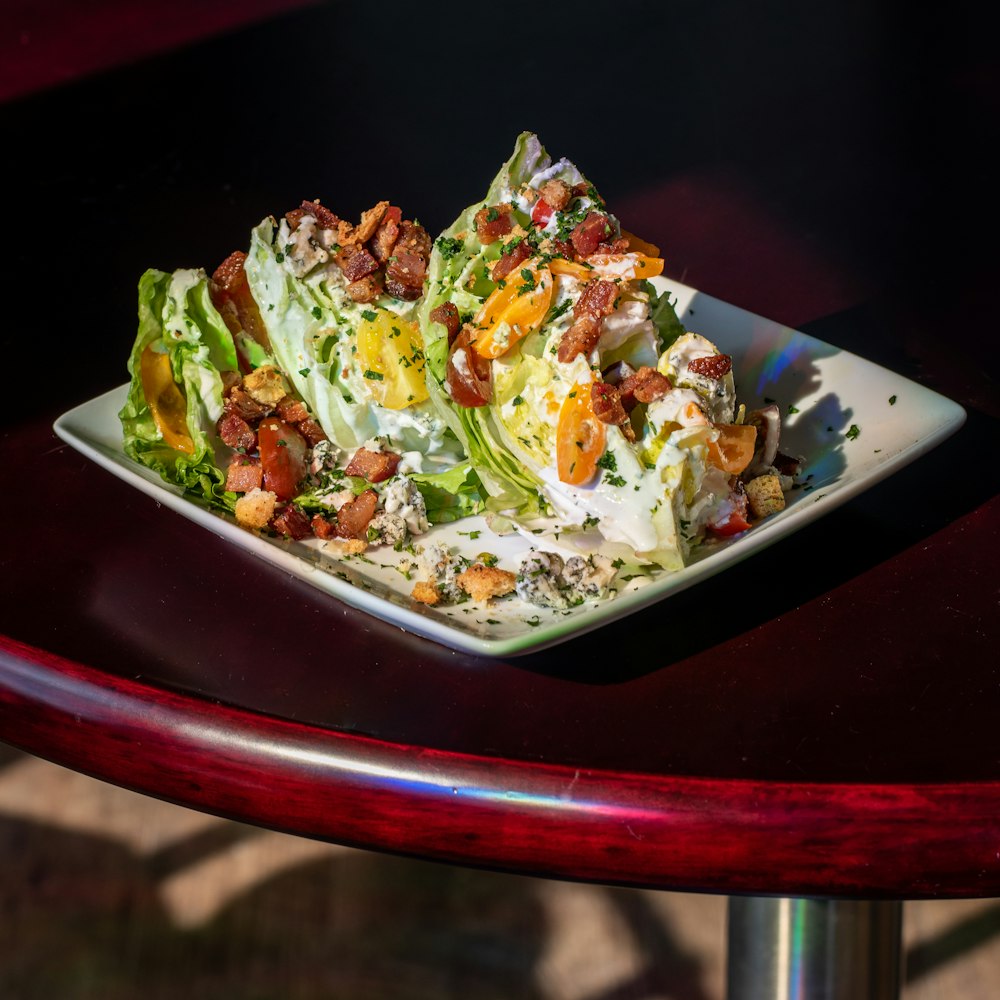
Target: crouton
266,385
425,593
349,546
483,582
256,508
765,496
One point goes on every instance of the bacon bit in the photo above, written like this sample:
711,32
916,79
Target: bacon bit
511,257
323,527
447,315
292,410
243,474
615,246
597,298
580,338
325,219
386,234
236,432
596,301
408,265
375,466
312,431
643,386
713,366
353,517
606,404
556,193
230,293
413,238
243,405
494,222
292,523
366,289
357,264
590,233
294,217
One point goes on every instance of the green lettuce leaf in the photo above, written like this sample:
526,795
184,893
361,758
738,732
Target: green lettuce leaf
176,317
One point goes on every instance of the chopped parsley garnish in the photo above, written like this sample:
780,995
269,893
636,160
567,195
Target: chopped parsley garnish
556,311
375,376
607,461
614,480
369,315
317,312
517,401
448,246
853,432
279,257
892,400
492,214
304,372
792,409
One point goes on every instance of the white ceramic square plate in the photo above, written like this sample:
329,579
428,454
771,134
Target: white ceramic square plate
825,392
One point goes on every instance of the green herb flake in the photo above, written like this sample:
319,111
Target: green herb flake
369,315
853,433
374,376
892,400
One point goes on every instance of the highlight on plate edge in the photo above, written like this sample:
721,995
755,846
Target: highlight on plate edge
353,386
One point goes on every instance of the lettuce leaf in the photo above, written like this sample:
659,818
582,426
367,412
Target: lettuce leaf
176,317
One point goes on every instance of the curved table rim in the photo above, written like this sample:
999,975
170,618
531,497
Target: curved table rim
898,841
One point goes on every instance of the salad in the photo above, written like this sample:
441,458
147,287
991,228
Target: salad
356,384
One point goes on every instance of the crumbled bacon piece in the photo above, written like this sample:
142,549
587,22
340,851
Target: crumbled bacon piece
580,338
325,219
311,431
594,230
366,289
512,256
619,245
386,234
292,523
494,222
236,432
323,527
447,315
357,264
244,474
353,517
292,410
240,402
230,293
598,297
643,386
375,466
712,366
405,276
606,404
596,301
556,194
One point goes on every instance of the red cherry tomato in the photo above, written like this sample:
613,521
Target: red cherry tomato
469,377
541,213
282,457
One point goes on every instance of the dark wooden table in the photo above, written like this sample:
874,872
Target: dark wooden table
821,720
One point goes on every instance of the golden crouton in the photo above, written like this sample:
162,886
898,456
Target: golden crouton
266,385
425,593
349,546
765,496
256,508
483,582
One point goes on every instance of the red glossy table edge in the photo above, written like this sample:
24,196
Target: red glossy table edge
900,841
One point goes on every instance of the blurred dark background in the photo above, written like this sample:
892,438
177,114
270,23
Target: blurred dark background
853,134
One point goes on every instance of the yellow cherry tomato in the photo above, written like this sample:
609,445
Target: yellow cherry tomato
512,312
580,437
734,449
391,359
165,400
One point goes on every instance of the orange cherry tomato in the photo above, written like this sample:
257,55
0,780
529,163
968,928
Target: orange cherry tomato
734,449
626,265
635,245
580,437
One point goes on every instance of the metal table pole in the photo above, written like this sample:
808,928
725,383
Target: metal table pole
813,949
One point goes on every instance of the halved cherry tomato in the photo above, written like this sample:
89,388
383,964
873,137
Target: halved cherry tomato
391,355
572,268
635,245
734,449
580,437
522,304
541,213
733,519
469,377
282,457
165,400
